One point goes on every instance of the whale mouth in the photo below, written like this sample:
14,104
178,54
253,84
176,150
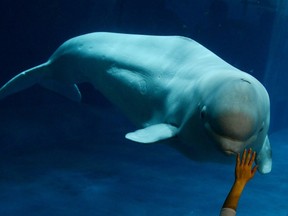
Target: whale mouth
228,145
230,152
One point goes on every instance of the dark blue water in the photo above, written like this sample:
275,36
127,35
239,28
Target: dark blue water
63,158
72,159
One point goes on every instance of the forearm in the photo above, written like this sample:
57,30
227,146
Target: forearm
243,173
234,195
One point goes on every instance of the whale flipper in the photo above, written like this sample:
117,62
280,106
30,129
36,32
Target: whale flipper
264,157
70,91
153,133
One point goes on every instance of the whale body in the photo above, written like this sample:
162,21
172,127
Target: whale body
171,87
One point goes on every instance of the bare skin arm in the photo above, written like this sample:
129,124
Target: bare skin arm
244,171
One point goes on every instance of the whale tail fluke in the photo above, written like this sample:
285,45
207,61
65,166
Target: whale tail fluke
23,80
39,75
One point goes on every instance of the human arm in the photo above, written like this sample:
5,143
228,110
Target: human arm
244,171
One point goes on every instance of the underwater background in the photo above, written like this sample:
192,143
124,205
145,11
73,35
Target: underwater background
58,157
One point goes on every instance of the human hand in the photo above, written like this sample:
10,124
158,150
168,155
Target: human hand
244,170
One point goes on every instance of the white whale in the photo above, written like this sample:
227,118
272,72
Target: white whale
169,86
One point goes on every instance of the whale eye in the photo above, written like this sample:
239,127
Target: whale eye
203,113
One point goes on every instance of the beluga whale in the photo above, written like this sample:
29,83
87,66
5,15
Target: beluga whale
171,87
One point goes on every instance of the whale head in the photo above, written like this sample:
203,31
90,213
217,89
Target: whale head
235,115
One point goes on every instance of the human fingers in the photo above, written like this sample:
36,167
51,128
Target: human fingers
238,159
248,156
252,159
243,157
253,171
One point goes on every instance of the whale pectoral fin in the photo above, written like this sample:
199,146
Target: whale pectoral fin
153,133
264,157
70,91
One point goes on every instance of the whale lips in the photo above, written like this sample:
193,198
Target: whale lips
228,145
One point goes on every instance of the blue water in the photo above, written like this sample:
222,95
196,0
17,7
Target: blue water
72,159
63,158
